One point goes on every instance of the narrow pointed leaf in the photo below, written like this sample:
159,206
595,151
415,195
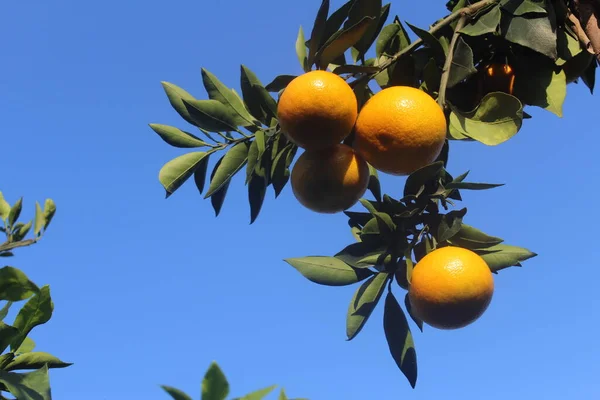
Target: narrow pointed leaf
5,309
36,311
431,41
415,319
462,65
279,83
258,394
15,212
175,393
230,164
4,208
22,231
503,256
214,384
218,91
253,100
200,173
211,115
342,41
39,219
328,271
176,137
49,211
280,171
36,360
374,185
7,334
317,32
257,188
301,49
176,97
174,173
15,285
472,185
363,303
472,238
399,339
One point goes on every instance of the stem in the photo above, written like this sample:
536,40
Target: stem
448,64
583,39
7,246
589,15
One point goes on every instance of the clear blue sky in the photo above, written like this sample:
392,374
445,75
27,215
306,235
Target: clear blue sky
149,291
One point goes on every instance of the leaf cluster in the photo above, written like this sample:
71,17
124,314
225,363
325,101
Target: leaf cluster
16,347
216,387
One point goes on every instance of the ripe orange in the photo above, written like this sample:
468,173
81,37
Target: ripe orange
330,180
450,287
399,130
317,110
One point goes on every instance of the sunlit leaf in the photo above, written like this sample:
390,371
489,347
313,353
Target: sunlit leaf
33,385
258,394
36,311
4,208
27,346
211,115
503,256
15,212
15,285
174,173
176,137
49,211
35,360
218,91
176,96
342,41
231,163
301,49
329,271
175,393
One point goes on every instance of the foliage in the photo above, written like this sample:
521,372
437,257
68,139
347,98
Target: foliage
16,346
216,387
538,41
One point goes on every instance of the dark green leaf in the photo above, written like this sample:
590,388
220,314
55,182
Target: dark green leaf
430,41
176,137
498,117
422,176
15,285
259,394
342,41
486,23
257,189
280,171
450,224
374,185
176,96
229,165
36,311
363,303
534,33
218,91
268,103
7,335
335,21
39,219
367,8
211,115
253,159
462,63
214,384
33,385
388,40
252,98
35,360
176,394
328,271
200,173
4,310
354,69
472,238
472,185
15,212
356,254
49,211
280,82
174,173
523,7
589,76
318,31
503,256
218,197
399,339
416,319
301,49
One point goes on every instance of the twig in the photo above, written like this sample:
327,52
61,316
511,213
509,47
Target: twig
13,245
583,39
448,64
589,16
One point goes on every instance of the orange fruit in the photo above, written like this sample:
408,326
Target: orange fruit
399,130
450,287
317,110
329,180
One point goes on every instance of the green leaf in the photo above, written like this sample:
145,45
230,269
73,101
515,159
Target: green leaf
39,219
230,164
422,176
174,173
211,115
462,63
4,310
248,81
258,394
387,35
5,359
218,91
200,173
15,285
342,41
257,189
219,195
22,231
280,82
176,137
472,185
33,385
176,96
450,224
328,271
280,168
498,117
534,33
317,33
589,76
372,9
36,360
7,335
374,185
176,394
4,208
363,303
355,69
49,211
15,212
301,49
486,23
267,103
523,7
430,41
27,346
472,238
503,256
415,319
282,395
358,254
36,311
214,384
399,339
253,159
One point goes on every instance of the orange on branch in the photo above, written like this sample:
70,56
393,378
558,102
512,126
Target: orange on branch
330,180
399,130
317,110
451,287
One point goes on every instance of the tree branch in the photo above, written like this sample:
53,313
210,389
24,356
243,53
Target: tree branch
448,64
589,15
13,245
583,39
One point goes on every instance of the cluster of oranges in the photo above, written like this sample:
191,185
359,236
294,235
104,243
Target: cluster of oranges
397,131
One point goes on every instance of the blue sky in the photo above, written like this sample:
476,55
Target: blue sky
149,291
